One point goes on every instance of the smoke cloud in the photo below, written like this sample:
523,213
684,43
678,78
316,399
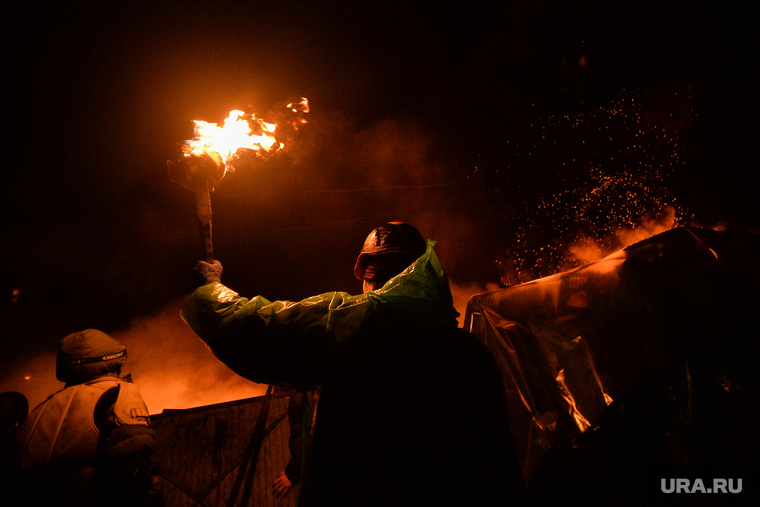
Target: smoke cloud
462,292
589,249
168,362
34,378
174,368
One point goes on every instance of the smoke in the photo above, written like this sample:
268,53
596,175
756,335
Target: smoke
34,378
462,292
535,255
168,362
174,368
338,153
589,249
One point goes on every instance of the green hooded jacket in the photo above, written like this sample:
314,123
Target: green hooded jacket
285,342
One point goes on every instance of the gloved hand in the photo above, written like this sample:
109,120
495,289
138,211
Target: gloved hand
209,272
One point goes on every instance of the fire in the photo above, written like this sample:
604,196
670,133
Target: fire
298,107
235,134
302,106
242,131
209,155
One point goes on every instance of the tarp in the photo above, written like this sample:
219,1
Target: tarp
571,344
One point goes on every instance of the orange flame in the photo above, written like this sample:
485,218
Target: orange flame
302,106
297,108
235,134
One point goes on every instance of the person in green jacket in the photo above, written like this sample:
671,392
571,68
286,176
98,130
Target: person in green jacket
412,408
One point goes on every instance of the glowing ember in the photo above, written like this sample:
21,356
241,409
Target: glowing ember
604,175
302,106
236,134
298,107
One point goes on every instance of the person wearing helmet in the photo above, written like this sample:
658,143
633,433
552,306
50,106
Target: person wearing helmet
89,443
387,251
412,409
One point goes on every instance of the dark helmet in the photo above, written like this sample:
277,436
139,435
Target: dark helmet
391,238
88,354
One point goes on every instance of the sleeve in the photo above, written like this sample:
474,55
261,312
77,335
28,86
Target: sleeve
279,342
286,343
130,409
128,426
128,445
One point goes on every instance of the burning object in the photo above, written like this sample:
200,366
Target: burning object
212,152
200,173
236,134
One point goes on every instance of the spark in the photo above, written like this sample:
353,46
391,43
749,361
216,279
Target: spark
610,166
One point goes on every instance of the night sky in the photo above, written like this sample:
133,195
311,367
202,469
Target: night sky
459,120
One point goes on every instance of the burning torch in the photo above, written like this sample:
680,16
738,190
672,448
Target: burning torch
200,173
211,153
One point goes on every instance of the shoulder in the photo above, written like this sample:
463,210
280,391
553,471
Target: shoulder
130,409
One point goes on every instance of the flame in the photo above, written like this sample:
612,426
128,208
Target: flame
234,135
298,107
302,106
241,131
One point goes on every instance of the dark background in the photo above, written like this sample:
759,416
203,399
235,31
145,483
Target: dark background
458,119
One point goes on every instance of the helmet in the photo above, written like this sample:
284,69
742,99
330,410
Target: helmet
87,354
393,237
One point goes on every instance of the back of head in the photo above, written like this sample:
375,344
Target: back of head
87,354
14,408
387,251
